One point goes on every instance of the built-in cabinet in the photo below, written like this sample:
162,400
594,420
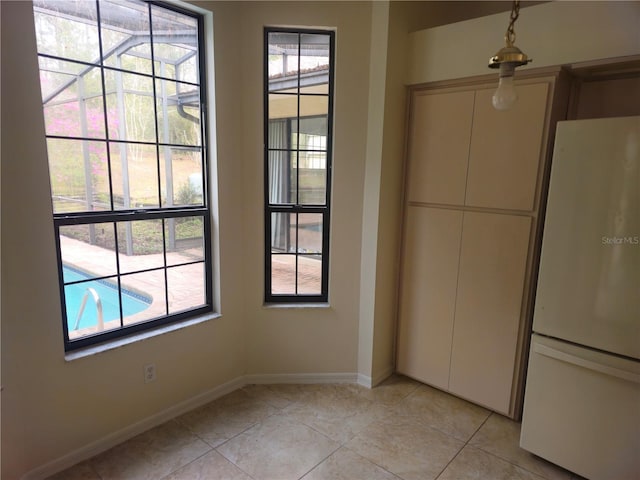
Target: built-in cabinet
473,189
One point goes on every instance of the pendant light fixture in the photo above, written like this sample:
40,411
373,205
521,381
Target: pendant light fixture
507,59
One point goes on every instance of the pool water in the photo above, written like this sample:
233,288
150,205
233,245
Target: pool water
108,294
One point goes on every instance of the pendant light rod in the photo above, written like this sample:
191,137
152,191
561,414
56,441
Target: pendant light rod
510,53
507,59
510,36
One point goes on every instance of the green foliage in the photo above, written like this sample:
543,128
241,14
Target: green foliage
187,194
147,235
78,110
190,227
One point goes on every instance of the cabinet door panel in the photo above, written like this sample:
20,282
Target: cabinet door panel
505,150
440,133
493,261
429,279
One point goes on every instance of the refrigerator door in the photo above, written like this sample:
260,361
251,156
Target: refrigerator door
589,280
582,410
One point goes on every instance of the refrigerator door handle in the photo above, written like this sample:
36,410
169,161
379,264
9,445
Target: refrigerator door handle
588,364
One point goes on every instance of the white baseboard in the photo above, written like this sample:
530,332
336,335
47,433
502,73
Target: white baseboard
130,431
370,382
272,379
382,376
364,380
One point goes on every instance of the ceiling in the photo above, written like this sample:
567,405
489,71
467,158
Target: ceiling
427,14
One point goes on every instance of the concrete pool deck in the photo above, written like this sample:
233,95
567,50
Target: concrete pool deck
186,282
185,291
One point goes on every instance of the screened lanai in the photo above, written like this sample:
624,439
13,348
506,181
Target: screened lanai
298,108
298,90
145,54
121,91
122,96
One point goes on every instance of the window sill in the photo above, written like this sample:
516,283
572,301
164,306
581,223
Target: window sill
297,305
138,337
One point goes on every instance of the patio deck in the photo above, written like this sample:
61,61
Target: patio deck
186,282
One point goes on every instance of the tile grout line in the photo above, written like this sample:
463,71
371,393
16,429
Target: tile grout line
375,463
278,409
343,444
511,462
507,460
500,457
188,430
389,405
464,446
189,463
321,461
93,469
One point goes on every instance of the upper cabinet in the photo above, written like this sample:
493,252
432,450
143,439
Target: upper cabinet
440,132
505,151
464,152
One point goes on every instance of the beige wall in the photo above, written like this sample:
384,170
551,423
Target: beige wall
52,407
383,191
371,207
308,340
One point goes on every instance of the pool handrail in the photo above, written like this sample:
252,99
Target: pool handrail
97,301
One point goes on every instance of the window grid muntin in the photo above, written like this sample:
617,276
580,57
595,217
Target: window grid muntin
270,207
116,216
90,65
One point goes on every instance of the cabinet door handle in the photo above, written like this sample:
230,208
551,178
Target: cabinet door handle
583,362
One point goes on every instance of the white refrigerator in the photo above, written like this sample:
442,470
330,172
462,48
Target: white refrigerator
582,395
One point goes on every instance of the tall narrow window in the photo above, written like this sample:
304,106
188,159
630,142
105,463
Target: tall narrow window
298,105
122,91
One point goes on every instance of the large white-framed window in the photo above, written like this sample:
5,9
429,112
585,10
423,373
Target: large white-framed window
123,93
298,128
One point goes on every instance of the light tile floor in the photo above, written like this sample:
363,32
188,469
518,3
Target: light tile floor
398,430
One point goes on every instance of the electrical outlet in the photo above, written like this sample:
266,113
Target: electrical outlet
149,373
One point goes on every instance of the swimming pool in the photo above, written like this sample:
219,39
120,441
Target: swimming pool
131,303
